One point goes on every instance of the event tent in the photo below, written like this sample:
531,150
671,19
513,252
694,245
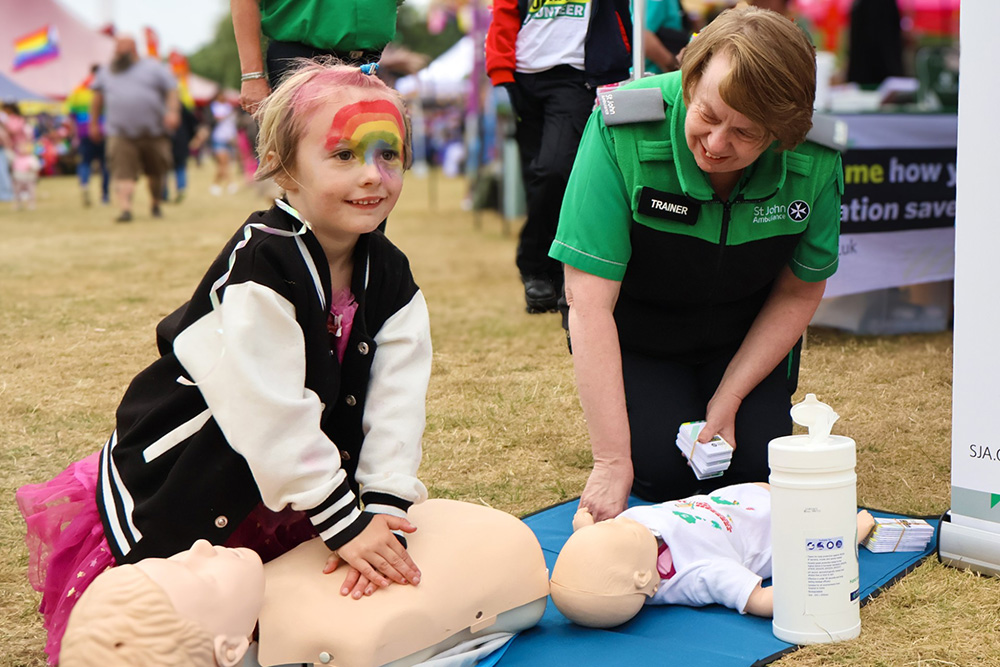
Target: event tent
446,77
14,92
79,46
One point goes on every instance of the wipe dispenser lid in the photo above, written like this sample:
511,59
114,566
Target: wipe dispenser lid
816,416
819,451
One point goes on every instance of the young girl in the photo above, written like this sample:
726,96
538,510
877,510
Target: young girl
289,397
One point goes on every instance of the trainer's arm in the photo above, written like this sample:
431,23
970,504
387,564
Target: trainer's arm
246,27
597,361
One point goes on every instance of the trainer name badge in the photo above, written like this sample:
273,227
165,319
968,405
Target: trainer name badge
668,206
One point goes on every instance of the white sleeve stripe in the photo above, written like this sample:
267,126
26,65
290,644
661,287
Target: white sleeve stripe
345,500
587,254
176,437
385,509
338,527
113,479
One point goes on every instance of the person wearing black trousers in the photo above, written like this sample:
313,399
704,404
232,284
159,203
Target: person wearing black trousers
551,57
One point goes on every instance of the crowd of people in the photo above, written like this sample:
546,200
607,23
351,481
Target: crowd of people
126,119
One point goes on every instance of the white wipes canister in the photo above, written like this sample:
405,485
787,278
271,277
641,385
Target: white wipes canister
814,531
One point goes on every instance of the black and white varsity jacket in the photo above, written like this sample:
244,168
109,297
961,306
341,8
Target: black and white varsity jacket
248,402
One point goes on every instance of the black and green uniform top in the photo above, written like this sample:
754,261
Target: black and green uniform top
695,270
330,25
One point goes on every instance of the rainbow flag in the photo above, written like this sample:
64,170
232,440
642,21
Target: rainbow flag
36,47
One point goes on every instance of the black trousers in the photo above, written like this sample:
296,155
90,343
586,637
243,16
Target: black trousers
281,58
552,108
662,394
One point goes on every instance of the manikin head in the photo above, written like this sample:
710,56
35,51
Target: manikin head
605,572
196,609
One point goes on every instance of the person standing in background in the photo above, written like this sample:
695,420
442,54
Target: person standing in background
180,148
550,56
6,155
140,97
79,103
664,36
353,31
223,141
875,44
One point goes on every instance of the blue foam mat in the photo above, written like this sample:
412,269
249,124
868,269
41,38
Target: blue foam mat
664,636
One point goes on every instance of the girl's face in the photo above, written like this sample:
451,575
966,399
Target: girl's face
348,171
722,139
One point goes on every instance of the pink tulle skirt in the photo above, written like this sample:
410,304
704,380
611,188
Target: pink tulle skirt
67,548
66,544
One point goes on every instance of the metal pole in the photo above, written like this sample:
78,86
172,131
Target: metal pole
638,24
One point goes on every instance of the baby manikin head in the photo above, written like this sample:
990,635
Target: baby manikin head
605,573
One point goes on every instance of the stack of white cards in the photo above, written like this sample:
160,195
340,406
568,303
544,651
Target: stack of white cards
899,535
708,459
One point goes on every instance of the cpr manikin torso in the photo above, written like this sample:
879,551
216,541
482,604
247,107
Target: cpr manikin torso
482,572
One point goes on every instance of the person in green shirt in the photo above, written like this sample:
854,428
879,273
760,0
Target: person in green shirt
353,31
696,249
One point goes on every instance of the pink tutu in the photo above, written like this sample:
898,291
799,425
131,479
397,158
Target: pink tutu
67,548
66,544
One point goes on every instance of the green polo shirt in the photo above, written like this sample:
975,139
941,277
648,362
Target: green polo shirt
330,25
639,210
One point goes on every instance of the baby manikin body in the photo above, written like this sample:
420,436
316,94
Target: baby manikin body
700,550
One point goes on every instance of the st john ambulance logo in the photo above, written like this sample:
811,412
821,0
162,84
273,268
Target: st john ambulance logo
798,210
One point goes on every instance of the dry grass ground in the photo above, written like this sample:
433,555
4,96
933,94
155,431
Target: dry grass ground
79,297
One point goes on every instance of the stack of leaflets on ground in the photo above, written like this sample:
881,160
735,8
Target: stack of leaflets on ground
899,535
708,459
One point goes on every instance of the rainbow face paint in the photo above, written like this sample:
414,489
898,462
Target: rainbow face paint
369,128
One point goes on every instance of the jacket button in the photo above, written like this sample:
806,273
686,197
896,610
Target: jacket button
325,658
350,400
363,348
332,353
221,522
345,456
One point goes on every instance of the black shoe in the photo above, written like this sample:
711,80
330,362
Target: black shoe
126,216
156,212
540,294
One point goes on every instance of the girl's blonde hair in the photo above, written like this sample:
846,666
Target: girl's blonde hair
123,618
283,115
773,77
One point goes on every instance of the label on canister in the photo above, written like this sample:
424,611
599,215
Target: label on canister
828,573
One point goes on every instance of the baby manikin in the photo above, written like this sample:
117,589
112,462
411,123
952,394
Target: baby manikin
700,550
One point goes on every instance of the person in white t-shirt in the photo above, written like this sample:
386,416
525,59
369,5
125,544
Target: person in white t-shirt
550,56
700,550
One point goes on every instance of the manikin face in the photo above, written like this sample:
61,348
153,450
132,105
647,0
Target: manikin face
348,170
722,139
220,589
